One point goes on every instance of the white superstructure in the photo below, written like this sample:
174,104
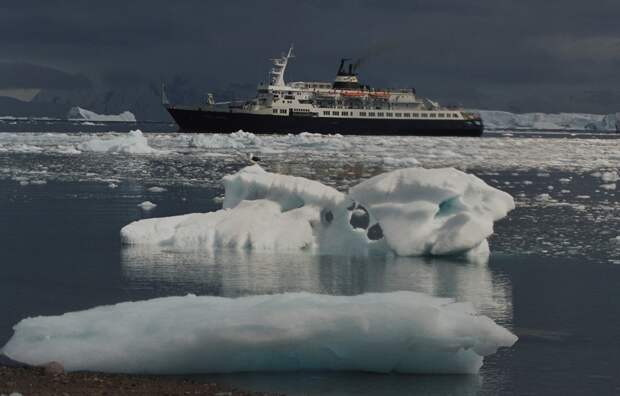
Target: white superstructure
343,98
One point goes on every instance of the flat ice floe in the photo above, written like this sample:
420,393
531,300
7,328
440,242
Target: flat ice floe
133,142
403,332
147,205
413,211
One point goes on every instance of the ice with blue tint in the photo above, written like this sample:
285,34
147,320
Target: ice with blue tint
410,212
404,332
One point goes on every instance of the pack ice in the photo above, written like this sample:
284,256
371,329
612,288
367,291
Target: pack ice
133,142
413,211
403,332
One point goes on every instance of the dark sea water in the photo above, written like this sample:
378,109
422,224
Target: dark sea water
553,277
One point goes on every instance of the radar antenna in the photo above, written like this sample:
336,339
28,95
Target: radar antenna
164,97
276,75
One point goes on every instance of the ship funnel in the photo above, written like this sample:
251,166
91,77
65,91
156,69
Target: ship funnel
341,69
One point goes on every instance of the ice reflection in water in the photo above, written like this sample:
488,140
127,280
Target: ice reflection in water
234,273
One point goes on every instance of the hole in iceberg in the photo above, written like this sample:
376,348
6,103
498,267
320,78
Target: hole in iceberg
360,218
375,232
327,216
448,206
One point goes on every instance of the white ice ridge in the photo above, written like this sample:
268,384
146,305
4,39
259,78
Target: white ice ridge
543,121
413,211
403,332
78,113
134,142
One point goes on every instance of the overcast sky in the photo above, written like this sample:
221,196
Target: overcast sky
520,55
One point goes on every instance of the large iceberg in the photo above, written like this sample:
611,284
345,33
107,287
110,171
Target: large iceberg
134,142
543,121
80,114
413,211
402,332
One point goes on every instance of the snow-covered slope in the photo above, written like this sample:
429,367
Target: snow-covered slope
543,121
78,113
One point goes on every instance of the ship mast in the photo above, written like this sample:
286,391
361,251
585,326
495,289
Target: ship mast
276,75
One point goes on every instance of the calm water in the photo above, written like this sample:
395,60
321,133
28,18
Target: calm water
553,277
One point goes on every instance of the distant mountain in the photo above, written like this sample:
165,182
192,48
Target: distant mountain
548,122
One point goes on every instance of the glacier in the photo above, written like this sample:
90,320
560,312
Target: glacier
79,114
544,121
402,332
409,212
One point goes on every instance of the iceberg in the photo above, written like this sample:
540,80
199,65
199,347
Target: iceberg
410,212
402,332
543,121
79,114
134,142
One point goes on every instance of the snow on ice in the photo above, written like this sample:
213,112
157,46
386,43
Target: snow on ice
404,332
134,142
412,211
608,177
147,205
78,113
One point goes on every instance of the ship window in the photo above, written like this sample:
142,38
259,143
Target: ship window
371,114
424,115
388,114
275,111
380,114
345,113
398,114
336,113
283,111
433,115
362,114
407,115
455,115
326,113
440,115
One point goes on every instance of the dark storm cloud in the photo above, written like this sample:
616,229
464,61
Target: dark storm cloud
514,54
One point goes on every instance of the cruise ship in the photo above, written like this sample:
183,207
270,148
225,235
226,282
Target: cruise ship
344,106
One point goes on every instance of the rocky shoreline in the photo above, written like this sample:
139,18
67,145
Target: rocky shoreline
53,380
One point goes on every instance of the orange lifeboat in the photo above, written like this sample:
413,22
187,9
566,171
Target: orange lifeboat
353,93
380,94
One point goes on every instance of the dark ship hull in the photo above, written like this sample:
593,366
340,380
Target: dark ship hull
200,120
